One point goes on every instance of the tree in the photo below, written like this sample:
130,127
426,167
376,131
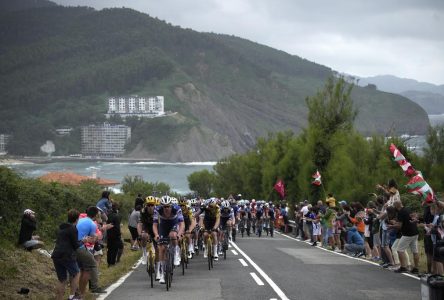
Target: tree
202,183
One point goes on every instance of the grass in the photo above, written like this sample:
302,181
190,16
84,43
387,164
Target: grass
32,270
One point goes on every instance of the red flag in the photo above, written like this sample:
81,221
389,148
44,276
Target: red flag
279,187
317,178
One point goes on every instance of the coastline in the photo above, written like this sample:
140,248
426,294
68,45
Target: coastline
46,160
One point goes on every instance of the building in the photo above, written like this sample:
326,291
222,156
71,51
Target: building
75,179
64,131
4,140
104,140
135,106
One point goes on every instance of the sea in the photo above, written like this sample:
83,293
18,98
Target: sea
174,174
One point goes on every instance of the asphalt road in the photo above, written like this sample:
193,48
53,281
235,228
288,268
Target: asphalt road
274,268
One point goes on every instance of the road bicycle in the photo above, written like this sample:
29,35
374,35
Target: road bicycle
169,261
259,227
151,261
184,254
209,248
242,226
225,242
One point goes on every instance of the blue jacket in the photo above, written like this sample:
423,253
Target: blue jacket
353,237
104,205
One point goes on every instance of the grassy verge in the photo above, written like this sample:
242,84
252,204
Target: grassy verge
32,270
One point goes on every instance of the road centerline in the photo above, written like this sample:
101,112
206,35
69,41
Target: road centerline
256,278
242,261
273,285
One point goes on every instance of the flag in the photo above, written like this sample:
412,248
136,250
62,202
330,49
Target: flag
418,186
279,187
317,178
402,162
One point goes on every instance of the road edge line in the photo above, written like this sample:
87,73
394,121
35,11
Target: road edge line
273,285
119,282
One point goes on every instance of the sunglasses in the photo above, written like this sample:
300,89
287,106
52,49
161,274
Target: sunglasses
150,205
167,206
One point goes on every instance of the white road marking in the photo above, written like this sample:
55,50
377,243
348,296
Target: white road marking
345,255
121,280
265,276
257,279
242,261
234,252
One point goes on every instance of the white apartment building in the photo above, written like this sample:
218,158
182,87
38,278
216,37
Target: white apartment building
4,139
135,106
104,140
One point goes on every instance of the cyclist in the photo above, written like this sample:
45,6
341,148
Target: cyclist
145,228
168,222
209,221
226,220
190,223
259,215
235,208
195,206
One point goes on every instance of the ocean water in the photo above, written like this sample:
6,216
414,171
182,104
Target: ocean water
174,174
436,119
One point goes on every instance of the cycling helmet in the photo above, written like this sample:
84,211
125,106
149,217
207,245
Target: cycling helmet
150,200
157,201
240,202
266,205
193,201
182,201
253,201
165,200
247,202
225,204
212,202
174,200
189,203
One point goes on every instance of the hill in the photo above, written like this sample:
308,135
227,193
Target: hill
431,102
58,65
393,84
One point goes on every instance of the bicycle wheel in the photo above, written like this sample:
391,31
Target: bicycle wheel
151,270
209,253
167,272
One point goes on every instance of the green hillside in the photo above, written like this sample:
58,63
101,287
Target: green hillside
59,65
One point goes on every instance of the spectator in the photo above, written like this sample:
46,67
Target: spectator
86,229
132,226
304,211
104,205
27,228
64,256
138,201
115,244
355,242
330,201
409,238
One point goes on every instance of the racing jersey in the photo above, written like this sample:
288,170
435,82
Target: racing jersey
227,214
145,217
175,217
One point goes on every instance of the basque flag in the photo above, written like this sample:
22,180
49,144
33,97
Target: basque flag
317,178
279,187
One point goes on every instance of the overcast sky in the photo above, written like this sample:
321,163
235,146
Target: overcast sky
404,38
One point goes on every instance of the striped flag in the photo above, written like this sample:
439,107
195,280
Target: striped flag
418,186
317,178
402,162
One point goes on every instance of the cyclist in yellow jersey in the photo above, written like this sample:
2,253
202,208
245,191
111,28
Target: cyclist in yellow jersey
190,223
209,221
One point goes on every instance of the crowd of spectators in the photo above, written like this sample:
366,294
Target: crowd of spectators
79,245
382,230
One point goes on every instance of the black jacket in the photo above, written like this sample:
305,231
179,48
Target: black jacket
114,233
27,227
66,244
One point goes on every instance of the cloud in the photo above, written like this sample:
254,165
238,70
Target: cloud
399,37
